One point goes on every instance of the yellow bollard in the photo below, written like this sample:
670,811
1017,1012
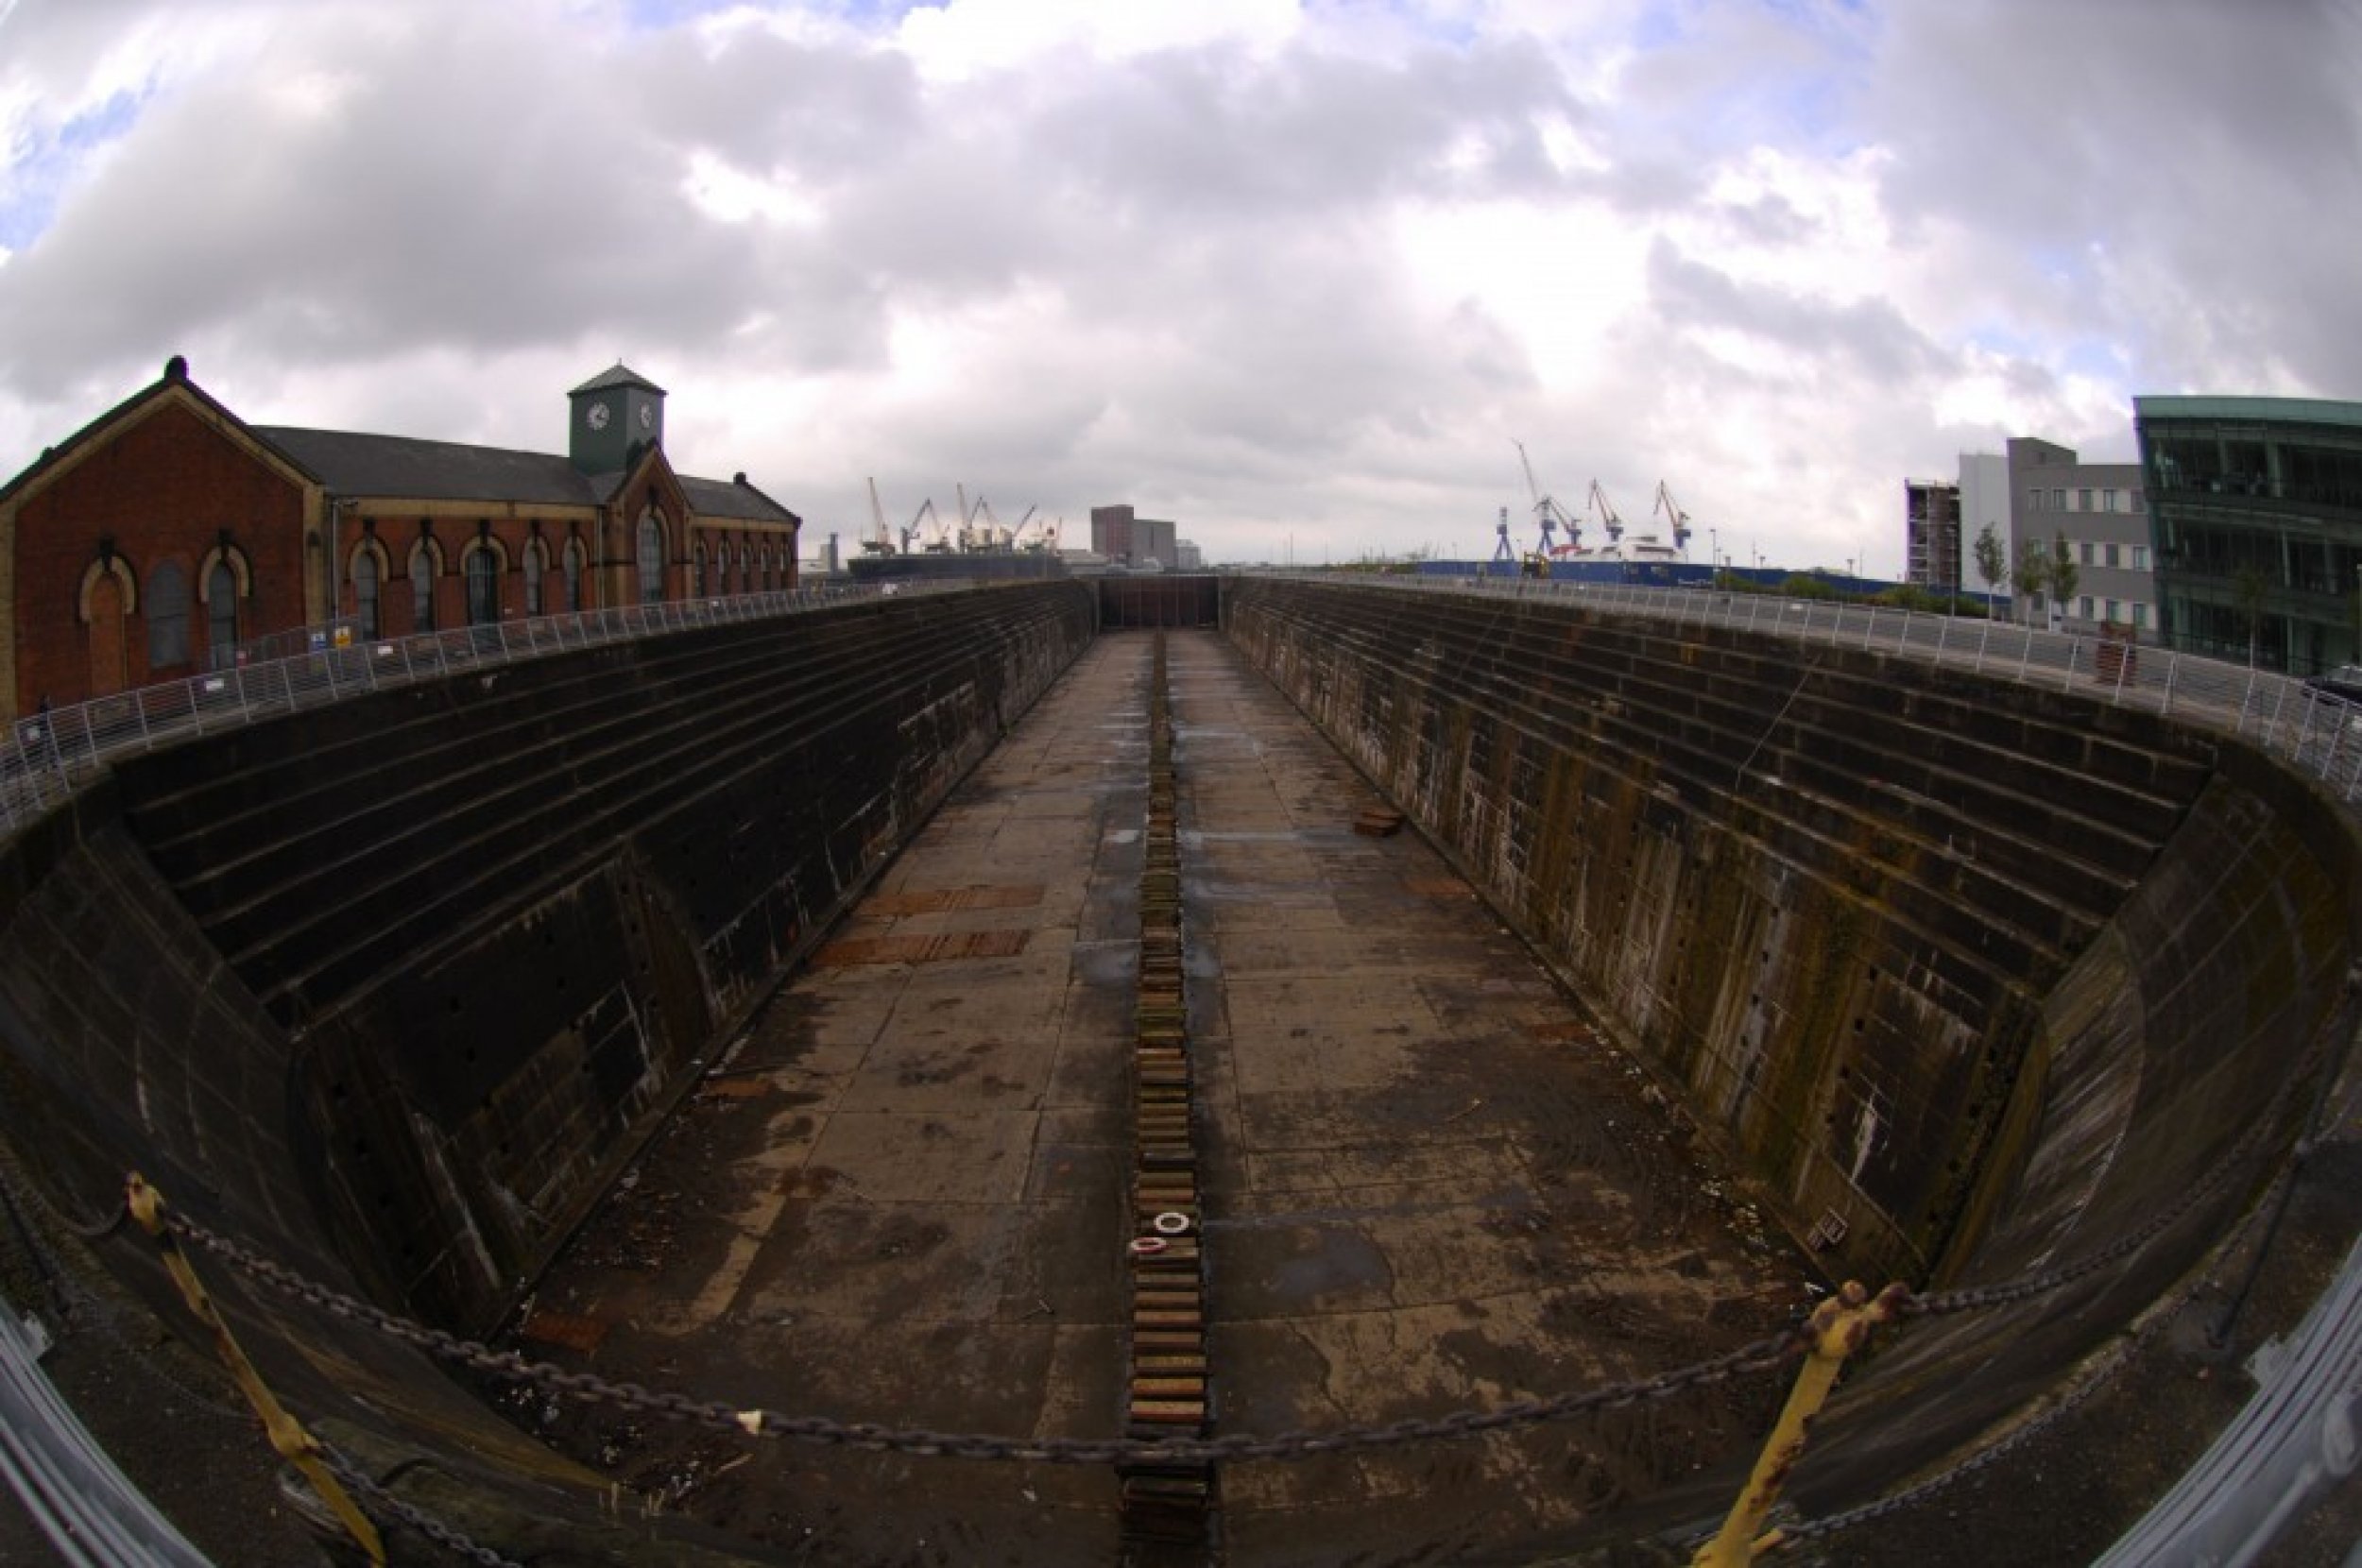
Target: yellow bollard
288,1436
1839,1327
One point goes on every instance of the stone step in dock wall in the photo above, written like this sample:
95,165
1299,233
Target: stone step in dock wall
1964,973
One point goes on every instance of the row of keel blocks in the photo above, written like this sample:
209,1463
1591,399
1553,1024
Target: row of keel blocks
1169,1394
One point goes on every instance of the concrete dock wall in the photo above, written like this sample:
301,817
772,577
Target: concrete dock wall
397,985
1968,978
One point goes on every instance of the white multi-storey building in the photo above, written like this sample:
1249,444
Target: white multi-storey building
2039,492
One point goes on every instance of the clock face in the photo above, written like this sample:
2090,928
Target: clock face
647,417
596,417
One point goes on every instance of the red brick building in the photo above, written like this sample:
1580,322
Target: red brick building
169,535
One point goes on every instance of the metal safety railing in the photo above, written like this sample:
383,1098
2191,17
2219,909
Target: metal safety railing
48,755
2319,733
93,1516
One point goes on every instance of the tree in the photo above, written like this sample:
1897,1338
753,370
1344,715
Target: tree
2028,574
1991,565
2062,573
2248,585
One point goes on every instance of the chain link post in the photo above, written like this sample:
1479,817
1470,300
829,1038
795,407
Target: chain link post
288,1436
1838,1328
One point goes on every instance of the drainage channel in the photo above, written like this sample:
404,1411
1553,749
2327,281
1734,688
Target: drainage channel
1168,1393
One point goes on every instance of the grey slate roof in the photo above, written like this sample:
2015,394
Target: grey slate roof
356,463
621,375
713,498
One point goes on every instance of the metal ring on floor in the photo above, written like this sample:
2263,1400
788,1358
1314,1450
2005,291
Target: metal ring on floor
1171,1222
1148,1245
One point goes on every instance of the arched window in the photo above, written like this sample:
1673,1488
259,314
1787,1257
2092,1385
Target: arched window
108,601
221,614
365,592
484,586
651,558
167,616
746,568
770,580
572,563
697,570
421,588
535,564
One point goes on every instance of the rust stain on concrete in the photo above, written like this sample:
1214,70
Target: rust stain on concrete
937,948
936,901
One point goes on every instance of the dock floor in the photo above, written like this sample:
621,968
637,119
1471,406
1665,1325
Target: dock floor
1429,1186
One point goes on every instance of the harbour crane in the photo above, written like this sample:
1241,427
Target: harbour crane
991,535
915,528
880,542
1675,516
1504,554
1548,514
1606,509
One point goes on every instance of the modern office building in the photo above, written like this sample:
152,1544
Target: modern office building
2099,509
1931,534
2034,494
2258,519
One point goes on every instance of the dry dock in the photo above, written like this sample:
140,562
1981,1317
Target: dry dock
903,1197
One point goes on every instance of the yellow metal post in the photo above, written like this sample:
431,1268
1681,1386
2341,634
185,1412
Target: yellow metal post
1839,1327
294,1445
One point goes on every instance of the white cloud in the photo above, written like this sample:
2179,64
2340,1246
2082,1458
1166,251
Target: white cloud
730,194
965,39
1554,279
1272,270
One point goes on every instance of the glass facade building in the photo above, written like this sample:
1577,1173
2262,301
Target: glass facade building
2256,514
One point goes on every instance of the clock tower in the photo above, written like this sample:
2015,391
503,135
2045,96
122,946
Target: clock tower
612,419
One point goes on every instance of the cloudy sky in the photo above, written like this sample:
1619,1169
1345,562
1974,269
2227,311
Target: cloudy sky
1295,273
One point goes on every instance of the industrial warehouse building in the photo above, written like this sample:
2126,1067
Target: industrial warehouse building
169,535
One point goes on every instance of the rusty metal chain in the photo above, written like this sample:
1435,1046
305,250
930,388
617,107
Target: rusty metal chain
1797,1534
1976,1298
1762,1355
79,1307
385,1505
